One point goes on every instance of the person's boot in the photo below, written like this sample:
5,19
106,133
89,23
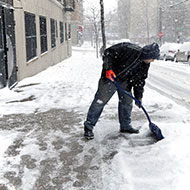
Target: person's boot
88,134
130,130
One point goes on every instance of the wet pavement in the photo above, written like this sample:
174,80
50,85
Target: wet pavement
49,152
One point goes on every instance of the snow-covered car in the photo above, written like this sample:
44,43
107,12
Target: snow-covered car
168,51
183,53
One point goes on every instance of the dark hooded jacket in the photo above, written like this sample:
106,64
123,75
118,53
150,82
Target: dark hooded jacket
124,60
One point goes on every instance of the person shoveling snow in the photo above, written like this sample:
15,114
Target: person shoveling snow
129,64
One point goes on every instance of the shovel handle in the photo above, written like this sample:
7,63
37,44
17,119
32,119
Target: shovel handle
137,101
154,128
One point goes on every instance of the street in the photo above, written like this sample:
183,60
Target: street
172,80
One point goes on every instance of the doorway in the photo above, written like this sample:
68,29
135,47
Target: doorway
8,68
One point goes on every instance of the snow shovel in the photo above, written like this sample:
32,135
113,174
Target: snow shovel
153,128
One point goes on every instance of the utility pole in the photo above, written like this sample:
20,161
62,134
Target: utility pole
147,23
102,26
160,34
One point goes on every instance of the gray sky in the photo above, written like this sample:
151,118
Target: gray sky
108,4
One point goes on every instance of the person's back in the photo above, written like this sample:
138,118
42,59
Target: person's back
119,57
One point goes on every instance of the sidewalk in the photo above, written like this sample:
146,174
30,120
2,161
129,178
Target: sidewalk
48,152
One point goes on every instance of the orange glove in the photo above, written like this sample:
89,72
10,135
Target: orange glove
109,74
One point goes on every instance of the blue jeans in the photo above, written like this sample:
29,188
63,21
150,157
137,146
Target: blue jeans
106,90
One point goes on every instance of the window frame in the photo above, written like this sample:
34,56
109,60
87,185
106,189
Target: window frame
30,35
61,30
53,32
43,34
69,31
66,34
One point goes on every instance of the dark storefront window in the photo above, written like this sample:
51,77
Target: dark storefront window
61,32
53,33
43,34
56,29
1,35
69,32
66,37
30,34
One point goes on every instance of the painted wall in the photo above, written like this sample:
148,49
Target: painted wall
49,9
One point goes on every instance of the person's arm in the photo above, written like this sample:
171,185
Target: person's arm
138,88
108,59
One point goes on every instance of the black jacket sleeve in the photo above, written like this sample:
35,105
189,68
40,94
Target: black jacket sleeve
138,87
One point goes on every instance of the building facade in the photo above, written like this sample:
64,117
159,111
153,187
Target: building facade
144,21
39,36
174,20
77,23
43,35
138,20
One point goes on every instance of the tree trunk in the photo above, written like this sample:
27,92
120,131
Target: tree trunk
102,26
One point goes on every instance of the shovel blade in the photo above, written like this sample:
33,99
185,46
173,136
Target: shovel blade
156,131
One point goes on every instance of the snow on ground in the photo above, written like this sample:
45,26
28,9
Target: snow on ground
139,163
172,79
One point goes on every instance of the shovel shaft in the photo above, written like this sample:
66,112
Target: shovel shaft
137,101
154,128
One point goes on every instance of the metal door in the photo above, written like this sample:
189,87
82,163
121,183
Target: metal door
11,47
8,68
2,52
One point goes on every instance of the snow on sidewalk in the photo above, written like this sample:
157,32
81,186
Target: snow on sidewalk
130,162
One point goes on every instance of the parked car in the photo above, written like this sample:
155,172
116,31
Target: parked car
168,51
183,53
